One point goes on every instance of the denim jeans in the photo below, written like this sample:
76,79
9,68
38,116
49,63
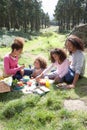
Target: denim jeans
27,72
68,78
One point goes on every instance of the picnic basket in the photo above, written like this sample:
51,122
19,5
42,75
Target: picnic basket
5,84
4,87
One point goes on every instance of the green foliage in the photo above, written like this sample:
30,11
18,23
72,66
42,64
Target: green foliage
54,104
65,114
14,83
83,119
47,34
24,15
66,13
44,116
69,125
17,106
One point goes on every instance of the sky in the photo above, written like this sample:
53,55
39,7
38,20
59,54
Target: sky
49,6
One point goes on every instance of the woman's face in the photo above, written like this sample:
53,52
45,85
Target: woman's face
37,64
70,46
17,52
56,57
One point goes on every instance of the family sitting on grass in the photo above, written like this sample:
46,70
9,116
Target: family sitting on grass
61,69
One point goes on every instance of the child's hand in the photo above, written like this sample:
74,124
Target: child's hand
38,77
34,74
22,66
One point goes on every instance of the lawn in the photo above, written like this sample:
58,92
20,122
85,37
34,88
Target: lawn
34,112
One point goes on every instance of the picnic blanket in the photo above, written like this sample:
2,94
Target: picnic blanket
30,86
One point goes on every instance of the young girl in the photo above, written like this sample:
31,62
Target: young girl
59,61
77,64
11,67
39,66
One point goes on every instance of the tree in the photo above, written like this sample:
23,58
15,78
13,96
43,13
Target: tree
69,13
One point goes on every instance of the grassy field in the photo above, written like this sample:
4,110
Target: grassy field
34,112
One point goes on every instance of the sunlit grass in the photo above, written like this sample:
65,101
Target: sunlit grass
34,112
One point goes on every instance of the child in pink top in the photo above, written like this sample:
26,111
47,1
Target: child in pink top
59,62
11,67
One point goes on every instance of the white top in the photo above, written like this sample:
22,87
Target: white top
78,62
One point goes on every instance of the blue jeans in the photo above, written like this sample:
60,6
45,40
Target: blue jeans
69,77
27,72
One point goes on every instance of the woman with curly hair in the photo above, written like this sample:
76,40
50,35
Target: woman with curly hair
76,70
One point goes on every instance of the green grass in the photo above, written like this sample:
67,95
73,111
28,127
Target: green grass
34,112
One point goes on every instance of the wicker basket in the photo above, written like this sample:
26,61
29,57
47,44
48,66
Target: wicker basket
4,87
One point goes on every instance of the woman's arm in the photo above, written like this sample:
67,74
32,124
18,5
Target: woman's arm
79,60
76,77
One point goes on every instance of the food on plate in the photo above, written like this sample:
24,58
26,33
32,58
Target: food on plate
20,83
42,81
29,83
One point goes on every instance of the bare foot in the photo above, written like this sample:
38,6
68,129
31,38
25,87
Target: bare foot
70,86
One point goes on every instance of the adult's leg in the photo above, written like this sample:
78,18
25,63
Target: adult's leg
17,75
69,77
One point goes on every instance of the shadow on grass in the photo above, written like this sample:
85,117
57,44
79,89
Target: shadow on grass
10,96
81,88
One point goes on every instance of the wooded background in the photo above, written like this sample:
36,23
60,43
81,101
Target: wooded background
29,15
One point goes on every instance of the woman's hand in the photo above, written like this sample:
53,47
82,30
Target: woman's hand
57,79
22,66
22,69
22,72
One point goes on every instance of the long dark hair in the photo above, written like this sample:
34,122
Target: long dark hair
18,43
60,52
76,42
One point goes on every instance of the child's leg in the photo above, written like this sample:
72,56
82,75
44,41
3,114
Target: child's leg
28,71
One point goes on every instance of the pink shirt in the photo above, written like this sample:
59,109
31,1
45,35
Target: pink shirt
61,69
11,65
